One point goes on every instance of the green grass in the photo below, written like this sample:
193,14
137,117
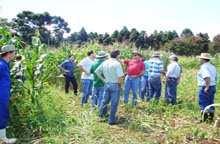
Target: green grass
149,122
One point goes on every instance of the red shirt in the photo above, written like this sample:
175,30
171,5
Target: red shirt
134,67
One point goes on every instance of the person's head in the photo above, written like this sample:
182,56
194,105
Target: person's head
91,54
102,55
8,52
115,54
136,55
71,58
19,58
205,57
157,55
143,58
173,58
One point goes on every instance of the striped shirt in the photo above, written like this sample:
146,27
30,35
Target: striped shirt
155,65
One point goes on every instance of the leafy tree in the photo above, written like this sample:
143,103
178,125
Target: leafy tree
107,39
116,36
186,31
214,47
50,27
83,35
125,33
133,35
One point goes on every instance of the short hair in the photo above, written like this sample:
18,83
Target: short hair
70,55
5,54
175,59
90,52
114,53
18,58
207,60
143,58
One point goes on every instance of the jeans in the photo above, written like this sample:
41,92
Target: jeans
133,84
4,114
144,87
154,84
86,90
97,95
111,93
206,99
171,90
73,81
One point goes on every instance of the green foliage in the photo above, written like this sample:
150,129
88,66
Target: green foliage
214,47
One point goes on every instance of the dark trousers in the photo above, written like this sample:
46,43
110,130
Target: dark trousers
73,81
4,114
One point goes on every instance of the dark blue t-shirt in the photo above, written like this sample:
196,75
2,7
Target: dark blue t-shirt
5,82
68,65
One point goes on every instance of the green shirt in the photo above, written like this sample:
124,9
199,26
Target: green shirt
111,69
96,81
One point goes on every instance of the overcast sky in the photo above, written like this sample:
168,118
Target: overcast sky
108,15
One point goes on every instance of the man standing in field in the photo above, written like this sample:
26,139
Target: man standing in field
113,73
155,71
98,84
69,68
87,78
144,81
135,69
8,53
171,80
207,77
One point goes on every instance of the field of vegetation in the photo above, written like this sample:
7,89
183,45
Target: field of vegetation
41,112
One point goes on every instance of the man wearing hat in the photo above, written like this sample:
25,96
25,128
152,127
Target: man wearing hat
7,53
155,71
207,77
135,69
171,80
98,84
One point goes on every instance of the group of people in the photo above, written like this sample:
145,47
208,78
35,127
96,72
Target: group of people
103,79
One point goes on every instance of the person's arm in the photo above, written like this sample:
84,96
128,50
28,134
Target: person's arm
62,68
207,80
100,77
121,82
82,69
163,72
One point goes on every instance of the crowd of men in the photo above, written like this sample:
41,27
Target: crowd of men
103,79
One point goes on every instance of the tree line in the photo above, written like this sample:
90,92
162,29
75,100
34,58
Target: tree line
52,29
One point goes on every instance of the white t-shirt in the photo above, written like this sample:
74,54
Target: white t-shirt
86,63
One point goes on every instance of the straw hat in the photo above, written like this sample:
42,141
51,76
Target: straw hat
7,48
136,52
101,54
172,56
205,56
157,54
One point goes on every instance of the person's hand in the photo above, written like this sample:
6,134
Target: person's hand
206,90
164,81
122,87
67,71
178,82
87,73
134,76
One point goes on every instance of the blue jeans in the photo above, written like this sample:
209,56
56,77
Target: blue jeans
97,95
206,99
4,114
154,84
133,84
171,90
111,93
86,90
144,87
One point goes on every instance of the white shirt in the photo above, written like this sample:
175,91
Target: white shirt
173,70
86,63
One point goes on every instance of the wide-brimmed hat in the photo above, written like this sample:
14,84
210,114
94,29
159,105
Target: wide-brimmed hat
205,56
157,54
136,52
101,54
7,48
172,56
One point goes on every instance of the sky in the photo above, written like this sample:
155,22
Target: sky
109,15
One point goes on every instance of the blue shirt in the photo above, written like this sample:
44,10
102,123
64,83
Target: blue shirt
155,65
173,70
68,65
147,67
207,70
5,82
